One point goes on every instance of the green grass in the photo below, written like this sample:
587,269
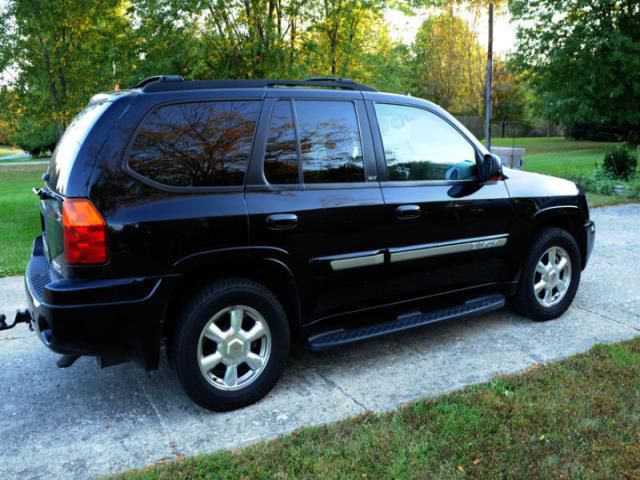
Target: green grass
558,156
19,215
578,418
21,160
596,200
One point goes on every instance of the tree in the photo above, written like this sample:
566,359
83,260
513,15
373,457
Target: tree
164,37
508,95
583,59
449,67
62,52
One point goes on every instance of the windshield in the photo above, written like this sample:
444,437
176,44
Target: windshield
67,149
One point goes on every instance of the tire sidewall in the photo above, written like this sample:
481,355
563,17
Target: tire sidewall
545,240
186,356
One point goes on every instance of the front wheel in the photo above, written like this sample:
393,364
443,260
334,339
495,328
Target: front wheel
230,345
550,276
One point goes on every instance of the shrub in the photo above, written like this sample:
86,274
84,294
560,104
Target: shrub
621,162
633,187
596,181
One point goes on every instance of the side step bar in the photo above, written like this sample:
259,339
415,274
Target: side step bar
410,321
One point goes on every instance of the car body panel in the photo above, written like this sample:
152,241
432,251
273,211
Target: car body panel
348,252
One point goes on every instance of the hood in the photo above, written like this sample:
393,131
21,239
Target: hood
527,184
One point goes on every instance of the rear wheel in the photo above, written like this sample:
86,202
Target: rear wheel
230,345
550,276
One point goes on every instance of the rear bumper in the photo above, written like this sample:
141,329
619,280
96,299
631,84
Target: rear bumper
112,317
590,236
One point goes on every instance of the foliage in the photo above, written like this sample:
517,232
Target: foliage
62,56
633,186
59,55
508,95
621,162
597,181
583,59
449,66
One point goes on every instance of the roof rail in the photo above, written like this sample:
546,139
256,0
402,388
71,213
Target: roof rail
166,83
329,79
159,78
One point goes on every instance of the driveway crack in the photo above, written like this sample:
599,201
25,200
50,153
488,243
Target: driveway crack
163,425
343,391
606,317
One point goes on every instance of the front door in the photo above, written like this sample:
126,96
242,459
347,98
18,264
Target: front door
444,229
313,195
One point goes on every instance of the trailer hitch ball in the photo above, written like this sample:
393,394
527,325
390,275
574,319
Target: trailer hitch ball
22,316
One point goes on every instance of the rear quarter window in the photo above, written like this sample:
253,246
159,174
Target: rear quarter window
69,145
200,144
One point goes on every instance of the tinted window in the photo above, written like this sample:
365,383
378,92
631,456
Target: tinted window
281,155
196,144
419,145
329,142
69,145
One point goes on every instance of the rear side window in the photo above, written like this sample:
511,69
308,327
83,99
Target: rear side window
203,144
281,155
69,145
330,145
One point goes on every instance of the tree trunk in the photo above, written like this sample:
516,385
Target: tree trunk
633,139
334,48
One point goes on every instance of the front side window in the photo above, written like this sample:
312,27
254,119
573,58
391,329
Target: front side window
419,145
203,144
330,146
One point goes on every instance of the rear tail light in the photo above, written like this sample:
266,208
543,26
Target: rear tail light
85,233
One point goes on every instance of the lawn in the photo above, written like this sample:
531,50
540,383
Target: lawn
19,215
558,156
578,418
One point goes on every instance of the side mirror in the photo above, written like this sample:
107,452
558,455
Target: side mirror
491,168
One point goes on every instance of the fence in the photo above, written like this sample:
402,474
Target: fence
475,124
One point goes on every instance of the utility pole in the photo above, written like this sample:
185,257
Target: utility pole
487,98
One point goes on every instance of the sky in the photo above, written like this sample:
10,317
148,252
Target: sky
403,28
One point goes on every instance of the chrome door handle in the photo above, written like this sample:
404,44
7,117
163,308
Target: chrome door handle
407,212
282,221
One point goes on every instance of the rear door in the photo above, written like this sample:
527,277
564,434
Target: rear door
313,195
444,229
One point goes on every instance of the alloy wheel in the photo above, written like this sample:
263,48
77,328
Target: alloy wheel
552,276
234,347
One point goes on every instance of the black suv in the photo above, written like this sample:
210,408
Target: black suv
230,218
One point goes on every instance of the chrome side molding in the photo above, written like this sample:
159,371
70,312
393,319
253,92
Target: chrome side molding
413,252
446,248
364,261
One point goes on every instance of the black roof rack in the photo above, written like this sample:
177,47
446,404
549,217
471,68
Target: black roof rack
159,78
166,83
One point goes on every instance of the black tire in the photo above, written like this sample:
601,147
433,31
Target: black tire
185,338
525,301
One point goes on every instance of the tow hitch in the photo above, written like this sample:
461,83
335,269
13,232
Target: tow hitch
22,316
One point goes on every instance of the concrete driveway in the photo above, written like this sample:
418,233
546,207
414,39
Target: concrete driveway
84,422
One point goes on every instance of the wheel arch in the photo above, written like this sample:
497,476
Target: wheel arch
260,265
568,218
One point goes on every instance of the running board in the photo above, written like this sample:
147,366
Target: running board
409,321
